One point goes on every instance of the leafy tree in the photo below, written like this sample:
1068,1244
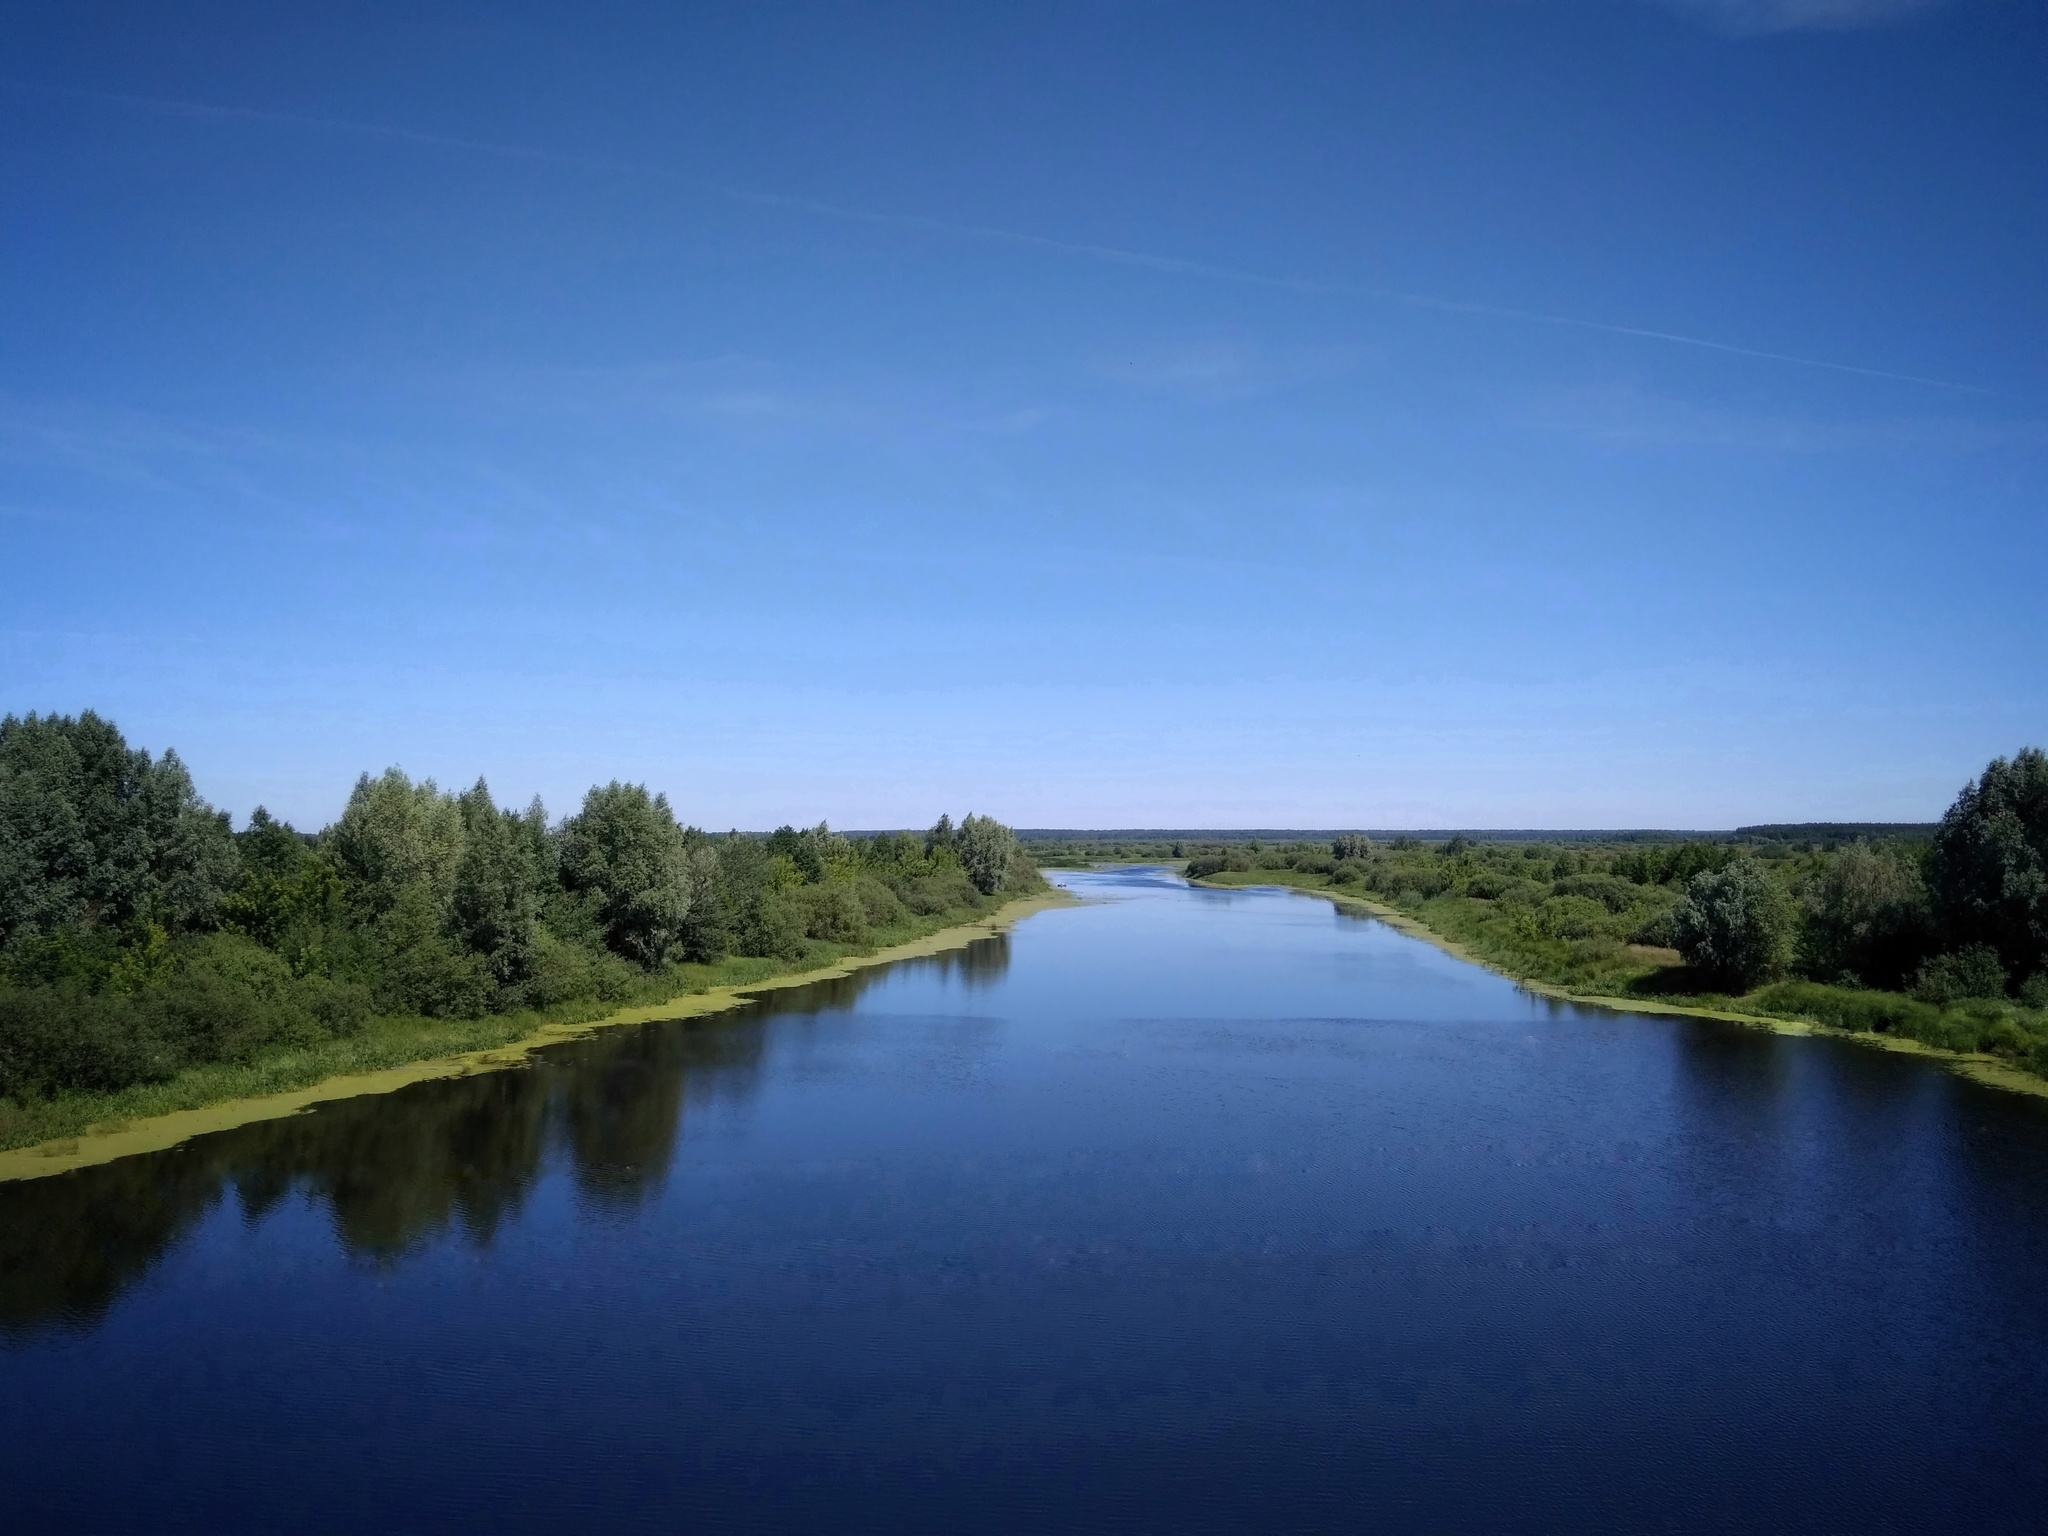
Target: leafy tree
985,847
1351,845
625,848
286,891
1989,868
95,833
396,836
1732,925
495,909
1866,916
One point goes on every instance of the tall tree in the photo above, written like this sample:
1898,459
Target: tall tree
985,847
396,837
93,832
1989,870
625,848
495,908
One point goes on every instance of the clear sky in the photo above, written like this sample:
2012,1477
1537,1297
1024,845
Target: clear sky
1459,412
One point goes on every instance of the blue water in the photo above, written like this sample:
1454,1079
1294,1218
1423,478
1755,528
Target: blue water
1178,1211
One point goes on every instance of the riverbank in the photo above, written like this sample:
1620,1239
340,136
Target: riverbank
79,1131
1649,967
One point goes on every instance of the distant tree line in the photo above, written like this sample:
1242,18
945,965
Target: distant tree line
140,934
1942,934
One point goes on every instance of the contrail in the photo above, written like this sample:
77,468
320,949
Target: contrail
1149,261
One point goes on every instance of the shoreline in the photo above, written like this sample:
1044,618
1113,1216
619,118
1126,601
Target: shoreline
1991,1071
114,1140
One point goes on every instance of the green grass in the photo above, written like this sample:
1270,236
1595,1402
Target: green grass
1606,968
397,1042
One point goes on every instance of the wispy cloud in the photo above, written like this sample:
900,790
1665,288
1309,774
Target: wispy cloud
1224,368
1730,11
1756,18
1630,418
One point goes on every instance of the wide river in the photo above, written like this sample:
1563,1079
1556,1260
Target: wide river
1175,1211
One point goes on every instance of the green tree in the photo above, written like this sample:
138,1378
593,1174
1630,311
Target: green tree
1866,915
1989,868
95,833
286,892
495,909
1733,925
986,849
395,836
625,848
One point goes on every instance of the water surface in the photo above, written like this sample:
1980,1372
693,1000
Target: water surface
1179,1210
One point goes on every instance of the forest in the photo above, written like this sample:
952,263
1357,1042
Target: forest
1938,935
141,936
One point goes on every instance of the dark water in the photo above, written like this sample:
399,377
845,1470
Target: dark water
1182,1211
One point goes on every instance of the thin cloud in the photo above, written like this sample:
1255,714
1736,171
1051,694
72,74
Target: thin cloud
1759,18
1114,255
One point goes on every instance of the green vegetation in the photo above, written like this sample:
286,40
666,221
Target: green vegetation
152,958
1941,938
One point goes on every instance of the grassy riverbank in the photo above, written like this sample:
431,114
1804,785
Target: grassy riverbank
76,1130
1994,1041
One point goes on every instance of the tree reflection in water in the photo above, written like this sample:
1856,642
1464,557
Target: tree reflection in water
398,1171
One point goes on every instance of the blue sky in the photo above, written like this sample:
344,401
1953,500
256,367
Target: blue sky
1460,412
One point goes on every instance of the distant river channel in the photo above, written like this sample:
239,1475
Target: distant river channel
1176,1210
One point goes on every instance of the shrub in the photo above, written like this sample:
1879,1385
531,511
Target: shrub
768,924
1848,1008
1612,892
1967,973
929,895
832,912
1571,917
880,903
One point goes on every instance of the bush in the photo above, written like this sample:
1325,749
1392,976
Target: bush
1732,926
929,895
1849,1008
55,1040
1612,892
768,925
1571,917
880,903
1968,973
832,912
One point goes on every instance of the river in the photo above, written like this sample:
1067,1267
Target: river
1175,1210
